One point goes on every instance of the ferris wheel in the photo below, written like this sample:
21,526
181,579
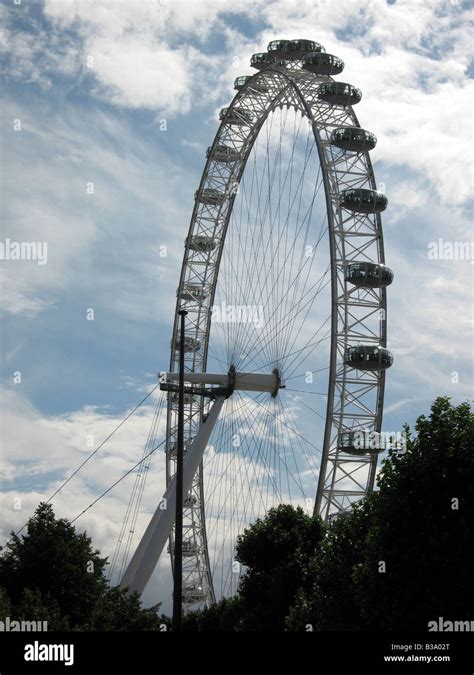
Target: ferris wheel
284,283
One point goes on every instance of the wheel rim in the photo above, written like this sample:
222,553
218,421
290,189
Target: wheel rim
353,399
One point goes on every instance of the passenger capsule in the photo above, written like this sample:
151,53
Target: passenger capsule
189,399
223,153
293,49
368,274
237,117
322,63
300,47
190,344
361,200
201,243
243,80
190,548
354,139
262,60
339,93
277,47
193,593
210,196
339,514
359,443
368,357
193,293
173,449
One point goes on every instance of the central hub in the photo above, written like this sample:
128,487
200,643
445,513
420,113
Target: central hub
278,386
260,382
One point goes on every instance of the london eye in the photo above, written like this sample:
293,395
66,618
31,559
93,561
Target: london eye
284,283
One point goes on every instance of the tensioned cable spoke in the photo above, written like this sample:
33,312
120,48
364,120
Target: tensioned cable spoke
307,406
312,372
133,506
298,229
300,309
279,456
275,261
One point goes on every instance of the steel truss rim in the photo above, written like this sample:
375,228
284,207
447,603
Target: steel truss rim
323,502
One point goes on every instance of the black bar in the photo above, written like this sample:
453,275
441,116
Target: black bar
122,651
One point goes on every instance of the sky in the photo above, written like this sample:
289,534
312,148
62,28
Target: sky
107,110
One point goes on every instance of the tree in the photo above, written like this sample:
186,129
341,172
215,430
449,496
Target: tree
52,573
405,555
421,528
277,551
329,602
119,611
223,616
56,561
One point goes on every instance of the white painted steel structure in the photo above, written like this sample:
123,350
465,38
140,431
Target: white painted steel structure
289,168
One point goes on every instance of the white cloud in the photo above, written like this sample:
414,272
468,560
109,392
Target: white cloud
45,450
51,162
133,61
410,60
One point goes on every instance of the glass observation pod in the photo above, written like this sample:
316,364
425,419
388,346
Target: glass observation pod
368,357
201,243
190,344
321,63
361,200
210,196
223,153
339,93
293,49
194,593
190,548
237,117
193,293
188,398
261,60
354,139
368,274
360,443
173,449
241,82
339,514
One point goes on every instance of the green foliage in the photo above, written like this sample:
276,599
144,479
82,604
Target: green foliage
118,611
329,602
53,559
412,527
403,556
5,604
53,574
33,606
223,616
276,551
422,528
